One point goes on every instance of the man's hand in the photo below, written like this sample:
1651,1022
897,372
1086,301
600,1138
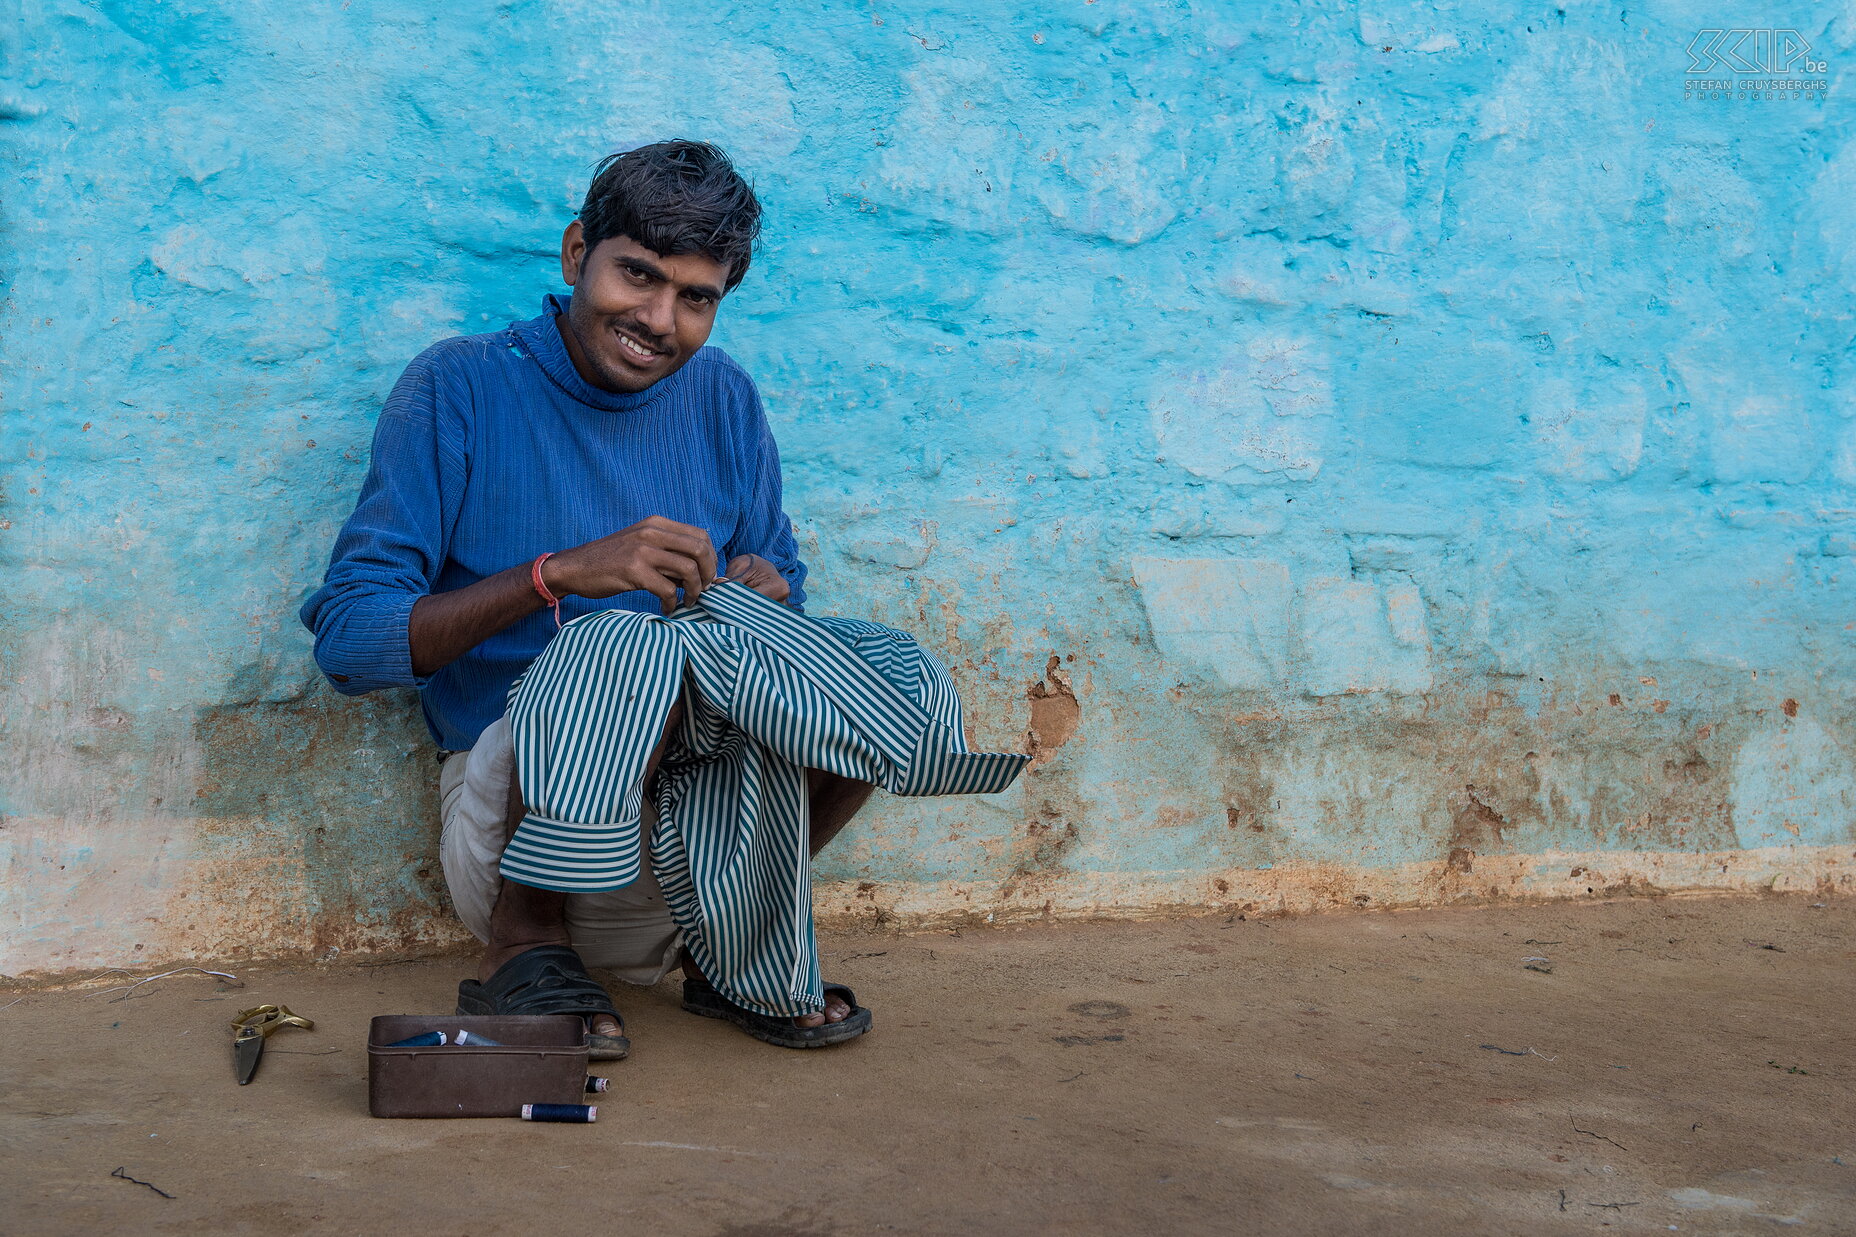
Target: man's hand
655,554
760,575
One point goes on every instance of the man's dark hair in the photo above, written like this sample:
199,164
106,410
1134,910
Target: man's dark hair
674,197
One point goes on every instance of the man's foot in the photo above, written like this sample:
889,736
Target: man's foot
837,1009
526,918
499,952
814,1031
496,954
547,978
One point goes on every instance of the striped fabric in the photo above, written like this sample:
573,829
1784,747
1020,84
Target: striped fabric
767,694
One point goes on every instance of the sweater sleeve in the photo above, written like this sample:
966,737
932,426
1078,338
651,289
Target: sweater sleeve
389,553
765,528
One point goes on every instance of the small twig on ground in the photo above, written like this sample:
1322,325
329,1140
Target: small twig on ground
1562,1200
1073,1077
390,962
10,1004
1531,941
126,989
1525,1052
1764,945
1595,1134
1614,1206
151,1185
878,954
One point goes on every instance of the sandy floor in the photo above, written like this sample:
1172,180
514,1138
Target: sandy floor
1679,1064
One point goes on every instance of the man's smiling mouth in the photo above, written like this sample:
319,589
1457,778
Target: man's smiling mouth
635,350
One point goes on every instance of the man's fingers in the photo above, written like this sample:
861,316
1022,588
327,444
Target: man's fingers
665,522
681,570
662,588
653,579
760,575
691,543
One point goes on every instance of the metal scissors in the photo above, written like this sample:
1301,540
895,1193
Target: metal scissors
249,1031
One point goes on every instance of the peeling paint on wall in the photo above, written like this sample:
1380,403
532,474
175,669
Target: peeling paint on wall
1377,455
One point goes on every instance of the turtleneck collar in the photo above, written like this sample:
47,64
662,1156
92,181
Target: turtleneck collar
541,339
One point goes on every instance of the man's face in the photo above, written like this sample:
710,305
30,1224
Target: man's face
636,315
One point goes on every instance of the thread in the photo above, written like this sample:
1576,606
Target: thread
595,1084
431,1039
584,1114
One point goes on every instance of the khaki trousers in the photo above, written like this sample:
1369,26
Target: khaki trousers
628,931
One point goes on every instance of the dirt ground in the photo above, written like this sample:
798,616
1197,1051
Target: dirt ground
1674,1065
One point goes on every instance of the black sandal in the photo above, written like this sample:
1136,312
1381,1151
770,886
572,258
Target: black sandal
548,979
700,997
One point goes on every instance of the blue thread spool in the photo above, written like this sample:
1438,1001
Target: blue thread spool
581,1114
431,1039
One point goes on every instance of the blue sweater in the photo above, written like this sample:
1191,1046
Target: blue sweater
491,450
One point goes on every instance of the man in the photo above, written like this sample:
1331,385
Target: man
597,457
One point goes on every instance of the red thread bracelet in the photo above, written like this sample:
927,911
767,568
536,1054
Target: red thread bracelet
534,576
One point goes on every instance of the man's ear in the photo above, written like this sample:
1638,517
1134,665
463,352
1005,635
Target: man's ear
573,253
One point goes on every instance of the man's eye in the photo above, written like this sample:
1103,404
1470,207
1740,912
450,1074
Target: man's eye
698,299
636,275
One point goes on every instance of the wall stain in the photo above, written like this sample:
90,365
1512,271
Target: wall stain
1039,855
1474,827
296,770
1055,713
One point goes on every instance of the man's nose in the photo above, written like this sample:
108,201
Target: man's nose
659,313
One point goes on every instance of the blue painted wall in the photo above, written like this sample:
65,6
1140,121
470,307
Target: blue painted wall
1378,451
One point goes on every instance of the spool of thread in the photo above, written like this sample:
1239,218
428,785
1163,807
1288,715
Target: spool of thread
595,1084
481,1041
431,1039
583,1114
